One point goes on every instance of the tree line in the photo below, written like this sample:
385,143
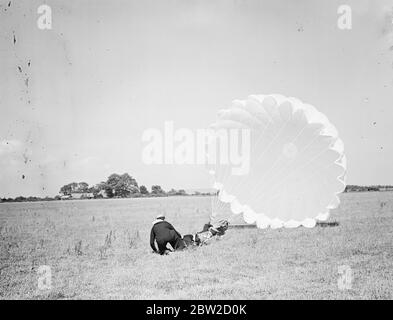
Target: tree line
356,188
115,186
125,186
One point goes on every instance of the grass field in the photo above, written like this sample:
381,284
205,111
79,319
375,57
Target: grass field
100,249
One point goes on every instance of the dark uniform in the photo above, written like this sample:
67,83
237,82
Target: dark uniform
163,232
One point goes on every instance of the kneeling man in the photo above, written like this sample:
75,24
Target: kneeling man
163,233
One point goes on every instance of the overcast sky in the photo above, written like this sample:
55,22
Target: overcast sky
108,70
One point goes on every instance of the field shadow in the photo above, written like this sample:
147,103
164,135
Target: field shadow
242,226
325,224
322,224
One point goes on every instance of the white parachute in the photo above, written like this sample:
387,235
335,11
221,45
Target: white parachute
296,165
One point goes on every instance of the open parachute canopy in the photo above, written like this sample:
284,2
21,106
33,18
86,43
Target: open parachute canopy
292,163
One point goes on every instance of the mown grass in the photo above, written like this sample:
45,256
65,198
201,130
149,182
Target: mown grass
99,249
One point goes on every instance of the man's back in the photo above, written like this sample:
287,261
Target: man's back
163,231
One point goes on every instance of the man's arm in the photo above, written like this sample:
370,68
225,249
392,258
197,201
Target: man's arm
178,233
152,238
172,228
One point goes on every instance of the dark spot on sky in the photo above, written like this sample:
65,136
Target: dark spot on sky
23,176
20,69
14,39
374,123
29,63
9,4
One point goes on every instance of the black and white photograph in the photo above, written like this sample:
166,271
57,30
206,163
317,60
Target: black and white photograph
195,150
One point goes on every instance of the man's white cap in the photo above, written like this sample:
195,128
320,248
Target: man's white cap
160,216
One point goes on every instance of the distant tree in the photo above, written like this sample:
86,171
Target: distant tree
103,186
126,186
157,190
122,185
100,186
172,192
113,180
143,190
74,186
66,190
92,190
83,187
109,192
